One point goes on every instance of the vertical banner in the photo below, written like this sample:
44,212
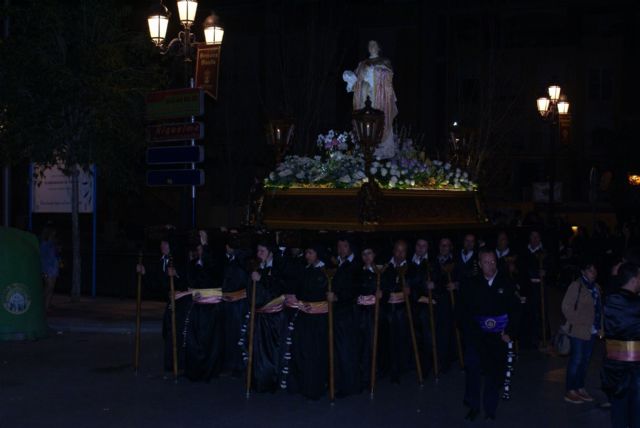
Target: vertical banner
207,69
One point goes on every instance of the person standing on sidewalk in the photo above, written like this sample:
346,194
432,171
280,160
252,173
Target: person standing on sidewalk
621,369
582,308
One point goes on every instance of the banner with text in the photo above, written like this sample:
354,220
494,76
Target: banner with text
52,190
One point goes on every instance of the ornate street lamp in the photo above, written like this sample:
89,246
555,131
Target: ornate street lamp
159,20
280,136
368,124
550,109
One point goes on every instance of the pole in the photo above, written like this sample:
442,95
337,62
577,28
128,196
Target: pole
174,338
252,326
136,358
376,321
552,166
30,202
432,325
332,387
193,167
6,170
94,226
453,308
412,330
543,317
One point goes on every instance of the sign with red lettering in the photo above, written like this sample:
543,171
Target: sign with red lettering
175,132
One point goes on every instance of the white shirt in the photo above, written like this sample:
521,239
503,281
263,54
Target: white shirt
392,262
503,253
533,250
467,257
318,264
267,264
348,259
490,280
418,260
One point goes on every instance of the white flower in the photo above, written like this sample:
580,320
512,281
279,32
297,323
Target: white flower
383,172
272,176
300,175
345,179
285,173
393,180
373,170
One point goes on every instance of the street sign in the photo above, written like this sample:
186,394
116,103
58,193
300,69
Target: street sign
175,177
175,155
175,104
175,132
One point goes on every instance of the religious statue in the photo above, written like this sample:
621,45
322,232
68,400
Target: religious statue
374,79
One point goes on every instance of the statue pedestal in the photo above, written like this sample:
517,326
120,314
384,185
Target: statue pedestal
339,209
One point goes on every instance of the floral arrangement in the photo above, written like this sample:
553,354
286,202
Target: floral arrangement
334,141
342,166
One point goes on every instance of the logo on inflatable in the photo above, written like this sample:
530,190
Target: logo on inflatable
16,299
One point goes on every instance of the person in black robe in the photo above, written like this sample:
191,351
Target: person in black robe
621,369
364,313
345,330
443,283
420,273
309,364
203,330
488,313
533,266
466,260
397,326
234,306
158,277
269,321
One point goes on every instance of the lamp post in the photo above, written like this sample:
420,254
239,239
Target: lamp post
280,136
183,46
368,124
550,109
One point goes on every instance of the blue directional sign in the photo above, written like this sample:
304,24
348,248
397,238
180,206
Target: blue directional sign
175,177
175,155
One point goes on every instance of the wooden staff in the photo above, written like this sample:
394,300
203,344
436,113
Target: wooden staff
252,326
136,355
453,308
330,273
402,271
174,338
379,270
542,305
432,323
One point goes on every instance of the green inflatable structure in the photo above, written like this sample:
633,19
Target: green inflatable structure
21,294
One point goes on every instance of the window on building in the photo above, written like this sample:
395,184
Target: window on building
600,84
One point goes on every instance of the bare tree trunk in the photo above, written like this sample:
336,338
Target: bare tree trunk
75,234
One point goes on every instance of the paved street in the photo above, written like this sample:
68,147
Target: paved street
85,380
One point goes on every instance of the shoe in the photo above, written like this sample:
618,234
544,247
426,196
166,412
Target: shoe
472,415
584,395
573,397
